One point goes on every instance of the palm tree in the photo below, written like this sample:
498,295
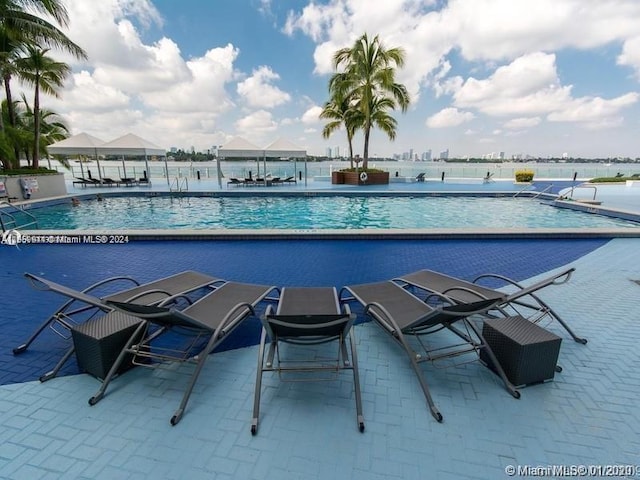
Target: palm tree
24,22
340,111
369,80
46,75
52,129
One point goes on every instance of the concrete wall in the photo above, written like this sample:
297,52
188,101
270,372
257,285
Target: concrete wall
50,185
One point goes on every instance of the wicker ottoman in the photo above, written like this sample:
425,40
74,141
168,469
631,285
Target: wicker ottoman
99,341
527,352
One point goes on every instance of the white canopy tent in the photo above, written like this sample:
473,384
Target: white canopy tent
131,144
80,144
239,147
284,148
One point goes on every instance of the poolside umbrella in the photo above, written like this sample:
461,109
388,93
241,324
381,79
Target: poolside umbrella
80,144
284,148
131,144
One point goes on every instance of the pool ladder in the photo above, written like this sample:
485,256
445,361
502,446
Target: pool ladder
9,221
179,185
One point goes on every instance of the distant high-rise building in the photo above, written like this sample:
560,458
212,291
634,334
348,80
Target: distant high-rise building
336,152
501,155
411,154
426,156
444,155
328,152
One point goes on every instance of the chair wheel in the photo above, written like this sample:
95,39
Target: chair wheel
439,417
93,401
583,341
254,429
516,394
361,427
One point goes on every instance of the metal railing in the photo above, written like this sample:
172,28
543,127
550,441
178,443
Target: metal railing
12,222
179,185
595,190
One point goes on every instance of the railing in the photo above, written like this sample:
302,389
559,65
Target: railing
595,190
549,187
12,222
179,185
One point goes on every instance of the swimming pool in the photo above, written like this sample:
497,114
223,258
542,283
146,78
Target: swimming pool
334,212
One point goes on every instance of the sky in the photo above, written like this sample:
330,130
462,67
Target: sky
526,77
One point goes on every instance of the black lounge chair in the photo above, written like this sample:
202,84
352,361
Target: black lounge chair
127,182
307,316
82,305
85,181
521,300
109,181
236,182
290,179
488,178
214,316
402,314
420,177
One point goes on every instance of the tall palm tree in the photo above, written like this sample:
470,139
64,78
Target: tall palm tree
340,110
46,75
369,77
25,22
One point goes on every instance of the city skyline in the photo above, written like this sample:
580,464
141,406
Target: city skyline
484,75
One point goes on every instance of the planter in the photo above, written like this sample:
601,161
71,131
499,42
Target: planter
337,178
373,178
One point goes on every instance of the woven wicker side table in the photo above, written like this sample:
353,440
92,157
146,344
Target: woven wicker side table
527,352
99,341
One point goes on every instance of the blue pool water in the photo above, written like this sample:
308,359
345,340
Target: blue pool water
315,212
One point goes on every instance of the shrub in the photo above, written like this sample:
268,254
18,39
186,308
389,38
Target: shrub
524,175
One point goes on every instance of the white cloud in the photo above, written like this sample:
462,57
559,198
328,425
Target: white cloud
258,91
595,111
525,122
630,55
312,115
449,117
256,124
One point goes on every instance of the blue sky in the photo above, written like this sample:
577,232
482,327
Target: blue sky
542,78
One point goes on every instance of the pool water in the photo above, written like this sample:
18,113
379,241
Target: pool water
318,212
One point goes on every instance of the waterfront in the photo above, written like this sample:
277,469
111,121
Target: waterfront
321,171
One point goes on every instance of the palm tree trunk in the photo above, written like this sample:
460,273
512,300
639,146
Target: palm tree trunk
365,153
350,140
6,78
36,124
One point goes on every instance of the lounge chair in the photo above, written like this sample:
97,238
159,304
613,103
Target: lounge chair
420,177
522,300
236,182
85,181
488,178
82,305
402,314
215,315
307,316
109,181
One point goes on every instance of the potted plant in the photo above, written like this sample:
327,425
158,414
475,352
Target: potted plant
524,176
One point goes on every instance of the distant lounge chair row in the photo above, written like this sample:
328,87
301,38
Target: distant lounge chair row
252,182
109,182
295,321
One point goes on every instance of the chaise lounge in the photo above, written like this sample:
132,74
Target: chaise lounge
82,305
214,316
307,317
519,301
401,314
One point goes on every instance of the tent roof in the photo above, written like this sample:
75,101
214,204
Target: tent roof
284,148
240,147
131,144
80,144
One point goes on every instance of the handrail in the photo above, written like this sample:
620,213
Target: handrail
13,223
527,187
181,185
549,187
595,190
